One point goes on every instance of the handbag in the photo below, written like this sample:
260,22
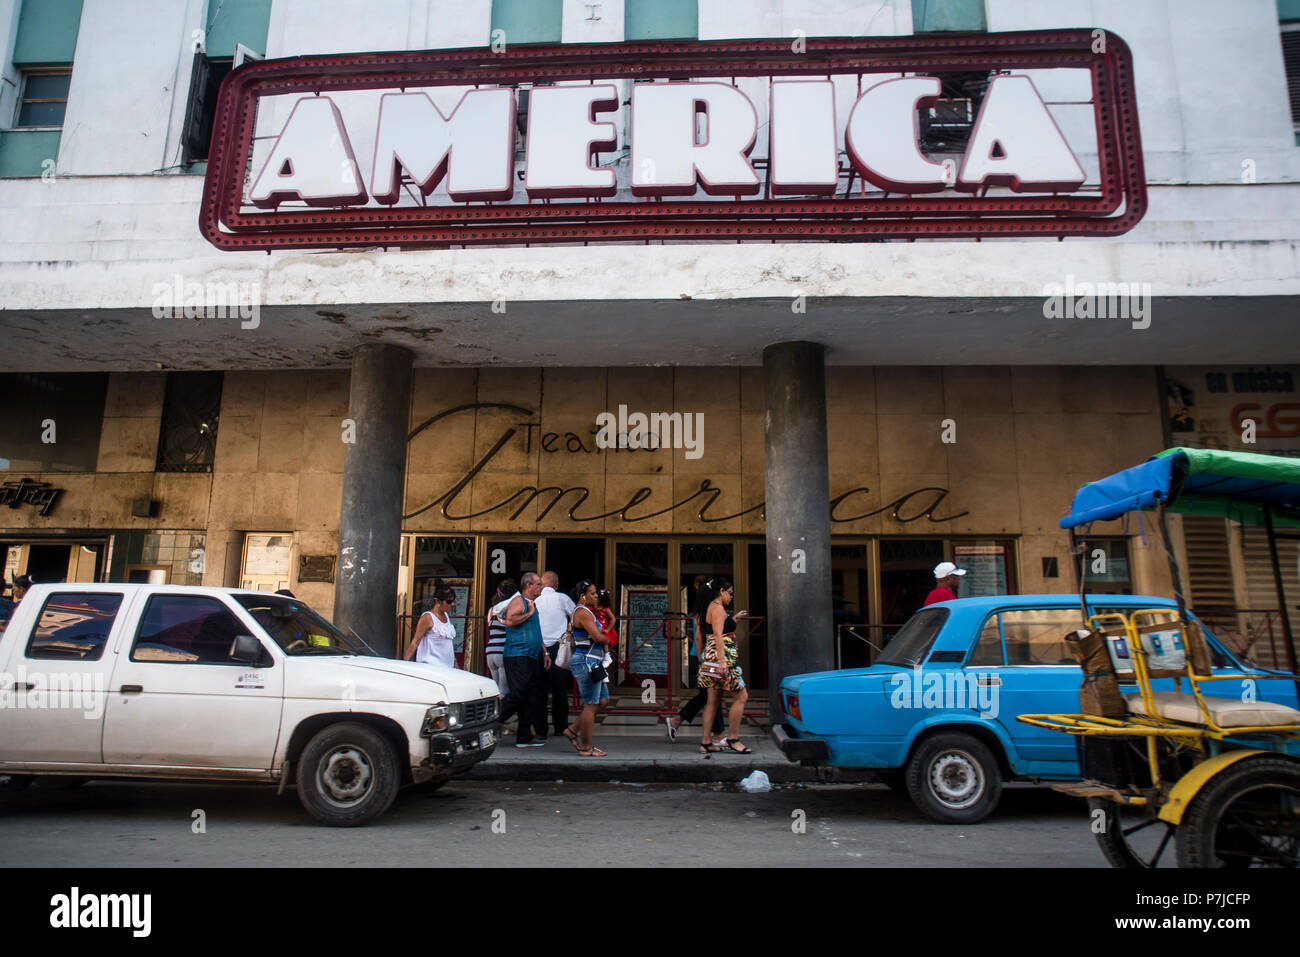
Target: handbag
712,670
564,654
597,671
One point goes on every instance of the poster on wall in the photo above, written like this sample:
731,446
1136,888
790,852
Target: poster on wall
1242,408
268,555
986,569
643,611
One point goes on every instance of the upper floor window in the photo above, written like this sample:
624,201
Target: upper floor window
233,31
51,421
187,441
44,98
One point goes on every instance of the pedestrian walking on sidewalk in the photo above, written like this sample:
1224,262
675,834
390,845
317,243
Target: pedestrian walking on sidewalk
589,647
719,668
554,609
692,708
496,641
434,642
525,662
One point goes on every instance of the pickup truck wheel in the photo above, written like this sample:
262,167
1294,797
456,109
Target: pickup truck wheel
954,778
347,775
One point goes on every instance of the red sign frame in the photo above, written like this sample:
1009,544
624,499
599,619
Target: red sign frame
1116,208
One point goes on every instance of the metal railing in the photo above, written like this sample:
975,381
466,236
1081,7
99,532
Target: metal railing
626,698
867,637
1262,644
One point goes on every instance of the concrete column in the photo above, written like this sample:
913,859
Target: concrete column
799,622
370,517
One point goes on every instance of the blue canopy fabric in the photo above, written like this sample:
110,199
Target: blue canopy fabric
1238,485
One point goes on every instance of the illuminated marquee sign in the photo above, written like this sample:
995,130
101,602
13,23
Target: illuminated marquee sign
735,140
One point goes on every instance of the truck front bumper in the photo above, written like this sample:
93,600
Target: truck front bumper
803,750
458,750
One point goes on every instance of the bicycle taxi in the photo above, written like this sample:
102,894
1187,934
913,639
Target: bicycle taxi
1220,777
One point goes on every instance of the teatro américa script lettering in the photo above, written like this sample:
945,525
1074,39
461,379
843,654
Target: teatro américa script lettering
641,505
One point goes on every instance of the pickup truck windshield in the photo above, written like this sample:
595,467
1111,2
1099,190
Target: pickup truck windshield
913,641
296,628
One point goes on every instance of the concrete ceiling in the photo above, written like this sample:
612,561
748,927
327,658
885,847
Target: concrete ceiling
856,331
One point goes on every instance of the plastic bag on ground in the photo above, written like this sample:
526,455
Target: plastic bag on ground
756,782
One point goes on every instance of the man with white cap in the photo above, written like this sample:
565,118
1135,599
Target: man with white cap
945,583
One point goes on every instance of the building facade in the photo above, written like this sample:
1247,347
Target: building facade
962,405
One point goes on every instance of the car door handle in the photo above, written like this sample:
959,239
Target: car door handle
131,689
988,680
24,686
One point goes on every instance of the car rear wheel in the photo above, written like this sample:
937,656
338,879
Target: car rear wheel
347,775
954,778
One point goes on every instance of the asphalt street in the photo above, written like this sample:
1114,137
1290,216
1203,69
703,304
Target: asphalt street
491,823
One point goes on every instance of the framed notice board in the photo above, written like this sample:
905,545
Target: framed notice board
643,609
986,569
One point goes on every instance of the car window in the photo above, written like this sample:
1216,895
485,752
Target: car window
74,625
913,641
988,649
1036,636
187,629
296,628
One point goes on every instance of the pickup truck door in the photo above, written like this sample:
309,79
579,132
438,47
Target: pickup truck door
57,664
177,699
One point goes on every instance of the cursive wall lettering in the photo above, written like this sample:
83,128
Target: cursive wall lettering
921,503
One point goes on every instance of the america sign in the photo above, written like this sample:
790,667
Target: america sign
1003,134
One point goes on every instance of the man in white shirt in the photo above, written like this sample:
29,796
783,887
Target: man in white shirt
554,609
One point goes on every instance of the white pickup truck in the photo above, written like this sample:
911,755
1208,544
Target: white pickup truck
176,683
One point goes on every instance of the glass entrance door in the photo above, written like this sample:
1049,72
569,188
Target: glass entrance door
850,602
446,560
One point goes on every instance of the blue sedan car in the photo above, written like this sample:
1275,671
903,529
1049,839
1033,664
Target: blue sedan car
936,713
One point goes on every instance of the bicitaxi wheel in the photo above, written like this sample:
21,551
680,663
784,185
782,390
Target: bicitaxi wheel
1131,835
1247,815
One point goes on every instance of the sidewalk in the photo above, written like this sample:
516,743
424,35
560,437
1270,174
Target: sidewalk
639,751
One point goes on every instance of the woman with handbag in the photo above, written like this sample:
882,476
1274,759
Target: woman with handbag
719,670
586,663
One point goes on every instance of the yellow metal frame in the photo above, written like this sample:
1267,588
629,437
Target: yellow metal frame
1152,726
1187,787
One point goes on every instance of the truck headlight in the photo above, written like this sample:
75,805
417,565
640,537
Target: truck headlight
441,717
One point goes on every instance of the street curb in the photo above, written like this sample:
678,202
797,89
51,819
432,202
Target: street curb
706,770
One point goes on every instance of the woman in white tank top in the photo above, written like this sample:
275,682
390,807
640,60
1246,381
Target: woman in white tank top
435,635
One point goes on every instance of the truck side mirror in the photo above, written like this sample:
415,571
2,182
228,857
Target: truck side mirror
247,649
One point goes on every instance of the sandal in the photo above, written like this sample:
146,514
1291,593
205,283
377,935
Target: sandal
707,749
672,731
591,753
573,739
731,746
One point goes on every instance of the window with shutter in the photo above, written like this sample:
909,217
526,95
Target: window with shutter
1291,60
1209,567
1262,621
